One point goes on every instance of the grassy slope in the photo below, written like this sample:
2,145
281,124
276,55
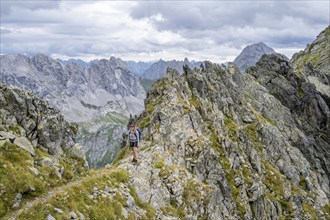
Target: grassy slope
16,174
91,197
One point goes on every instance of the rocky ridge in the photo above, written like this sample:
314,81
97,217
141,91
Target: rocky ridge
251,54
314,63
316,53
223,145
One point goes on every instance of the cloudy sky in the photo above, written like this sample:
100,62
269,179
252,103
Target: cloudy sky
149,30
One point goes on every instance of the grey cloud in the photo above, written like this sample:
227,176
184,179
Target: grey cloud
8,6
4,31
195,20
208,28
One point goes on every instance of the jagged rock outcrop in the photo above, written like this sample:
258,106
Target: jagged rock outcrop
35,119
251,54
316,53
158,69
314,63
38,148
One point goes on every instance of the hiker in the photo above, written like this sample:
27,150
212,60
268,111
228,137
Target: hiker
134,141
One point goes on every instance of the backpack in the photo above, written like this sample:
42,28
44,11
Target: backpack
140,133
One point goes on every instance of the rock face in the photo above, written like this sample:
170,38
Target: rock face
38,148
35,120
251,54
80,93
158,69
316,53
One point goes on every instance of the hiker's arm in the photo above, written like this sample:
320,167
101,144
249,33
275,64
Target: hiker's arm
128,137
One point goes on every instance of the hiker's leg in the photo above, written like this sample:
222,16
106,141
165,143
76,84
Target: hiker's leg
135,153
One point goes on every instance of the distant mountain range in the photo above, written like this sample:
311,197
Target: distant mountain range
138,68
158,69
77,61
79,92
106,90
251,54
155,70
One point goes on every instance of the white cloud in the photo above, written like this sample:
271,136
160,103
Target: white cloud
152,30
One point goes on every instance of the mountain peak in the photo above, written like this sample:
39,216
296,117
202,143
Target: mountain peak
251,54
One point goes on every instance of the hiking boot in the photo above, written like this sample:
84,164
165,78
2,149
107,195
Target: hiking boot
134,161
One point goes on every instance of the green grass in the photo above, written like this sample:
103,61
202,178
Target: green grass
16,176
310,211
169,211
195,102
303,183
265,118
300,91
231,129
251,132
193,193
77,198
158,164
216,145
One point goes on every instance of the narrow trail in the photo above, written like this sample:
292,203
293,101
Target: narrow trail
29,204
